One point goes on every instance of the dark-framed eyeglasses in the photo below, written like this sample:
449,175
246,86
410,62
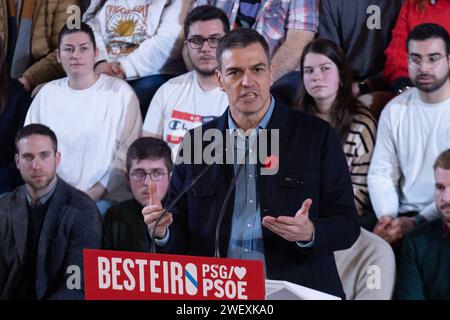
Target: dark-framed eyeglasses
156,175
197,42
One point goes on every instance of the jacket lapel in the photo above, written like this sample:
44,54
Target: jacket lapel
47,237
19,215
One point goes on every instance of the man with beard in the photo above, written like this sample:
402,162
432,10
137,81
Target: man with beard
44,225
414,128
426,251
193,98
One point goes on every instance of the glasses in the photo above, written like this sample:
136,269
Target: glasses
197,42
156,175
418,61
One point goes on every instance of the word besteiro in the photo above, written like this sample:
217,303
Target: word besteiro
194,151
172,278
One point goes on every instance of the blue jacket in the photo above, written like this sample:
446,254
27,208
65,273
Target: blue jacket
312,165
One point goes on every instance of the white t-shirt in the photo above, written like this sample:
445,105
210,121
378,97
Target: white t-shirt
94,128
145,36
411,134
180,105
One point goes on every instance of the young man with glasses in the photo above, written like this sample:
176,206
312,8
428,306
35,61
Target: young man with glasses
149,165
413,129
193,98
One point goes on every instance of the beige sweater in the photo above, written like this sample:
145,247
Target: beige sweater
367,269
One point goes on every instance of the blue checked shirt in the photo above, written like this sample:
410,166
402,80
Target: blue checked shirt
246,240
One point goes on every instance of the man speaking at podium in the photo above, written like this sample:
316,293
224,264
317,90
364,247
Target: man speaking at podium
292,219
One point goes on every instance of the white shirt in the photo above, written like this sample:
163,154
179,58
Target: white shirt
411,134
180,105
94,128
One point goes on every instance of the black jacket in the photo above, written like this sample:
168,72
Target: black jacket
312,165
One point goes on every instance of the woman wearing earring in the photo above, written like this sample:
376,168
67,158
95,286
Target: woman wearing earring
326,91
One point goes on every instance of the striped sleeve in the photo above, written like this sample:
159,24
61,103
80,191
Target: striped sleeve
358,149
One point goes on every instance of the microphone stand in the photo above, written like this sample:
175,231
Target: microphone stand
172,204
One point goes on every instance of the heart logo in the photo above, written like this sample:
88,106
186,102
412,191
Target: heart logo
240,272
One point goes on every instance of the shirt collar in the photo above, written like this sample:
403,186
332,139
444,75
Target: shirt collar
42,200
264,121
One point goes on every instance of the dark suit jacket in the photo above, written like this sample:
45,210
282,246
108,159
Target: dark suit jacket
312,165
71,223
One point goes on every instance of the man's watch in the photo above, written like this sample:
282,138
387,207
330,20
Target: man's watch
363,87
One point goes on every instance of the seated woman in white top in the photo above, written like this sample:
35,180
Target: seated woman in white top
95,117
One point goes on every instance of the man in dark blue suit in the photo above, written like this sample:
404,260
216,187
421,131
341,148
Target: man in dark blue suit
292,219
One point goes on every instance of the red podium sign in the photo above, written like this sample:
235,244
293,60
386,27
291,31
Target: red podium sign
119,275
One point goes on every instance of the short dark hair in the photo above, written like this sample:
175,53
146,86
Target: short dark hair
427,31
206,13
149,148
84,27
36,128
240,38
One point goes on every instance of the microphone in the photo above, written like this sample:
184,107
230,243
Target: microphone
172,204
224,206
222,212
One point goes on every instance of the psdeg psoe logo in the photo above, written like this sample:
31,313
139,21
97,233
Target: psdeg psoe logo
218,280
132,275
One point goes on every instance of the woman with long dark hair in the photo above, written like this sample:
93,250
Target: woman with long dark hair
14,103
326,91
